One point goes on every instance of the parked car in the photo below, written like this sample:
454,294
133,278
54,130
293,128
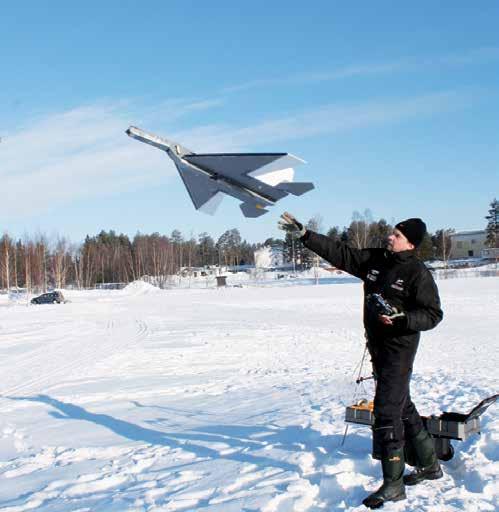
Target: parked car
49,298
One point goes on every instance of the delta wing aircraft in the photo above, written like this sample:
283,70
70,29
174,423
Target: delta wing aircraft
258,180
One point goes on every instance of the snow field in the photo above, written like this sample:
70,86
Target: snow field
226,400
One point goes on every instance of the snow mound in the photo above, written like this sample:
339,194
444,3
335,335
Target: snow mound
140,288
321,272
4,299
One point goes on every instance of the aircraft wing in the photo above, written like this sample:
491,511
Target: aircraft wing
266,176
207,191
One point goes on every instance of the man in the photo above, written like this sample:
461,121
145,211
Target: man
400,300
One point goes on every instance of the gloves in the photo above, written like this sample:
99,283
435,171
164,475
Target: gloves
288,223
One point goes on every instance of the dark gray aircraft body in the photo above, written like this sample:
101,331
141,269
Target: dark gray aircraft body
257,179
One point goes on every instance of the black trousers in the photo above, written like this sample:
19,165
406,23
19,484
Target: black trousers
396,416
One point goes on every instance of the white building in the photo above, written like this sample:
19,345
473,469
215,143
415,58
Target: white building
467,244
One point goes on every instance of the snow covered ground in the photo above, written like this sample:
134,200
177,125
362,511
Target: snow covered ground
226,400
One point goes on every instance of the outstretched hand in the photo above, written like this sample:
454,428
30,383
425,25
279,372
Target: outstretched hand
288,223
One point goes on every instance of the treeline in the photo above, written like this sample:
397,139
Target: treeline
40,263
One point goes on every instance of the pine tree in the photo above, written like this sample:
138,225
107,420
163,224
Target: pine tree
288,247
334,233
378,232
229,247
492,228
425,249
292,250
307,257
207,250
442,243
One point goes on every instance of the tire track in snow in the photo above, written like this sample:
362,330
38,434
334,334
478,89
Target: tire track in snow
116,336
25,361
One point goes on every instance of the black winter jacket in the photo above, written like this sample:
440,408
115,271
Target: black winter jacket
401,278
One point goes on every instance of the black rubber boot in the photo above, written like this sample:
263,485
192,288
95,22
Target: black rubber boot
393,483
428,467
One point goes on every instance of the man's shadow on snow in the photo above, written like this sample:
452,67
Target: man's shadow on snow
241,439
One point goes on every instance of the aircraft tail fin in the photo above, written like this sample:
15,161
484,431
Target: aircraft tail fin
253,210
297,188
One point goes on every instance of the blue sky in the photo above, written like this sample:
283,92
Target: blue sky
394,106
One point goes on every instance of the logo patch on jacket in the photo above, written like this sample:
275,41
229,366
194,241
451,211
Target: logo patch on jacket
398,285
372,275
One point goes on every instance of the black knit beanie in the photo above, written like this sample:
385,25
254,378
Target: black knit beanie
413,229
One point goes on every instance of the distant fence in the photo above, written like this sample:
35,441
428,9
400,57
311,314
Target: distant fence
256,279
110,286
452,273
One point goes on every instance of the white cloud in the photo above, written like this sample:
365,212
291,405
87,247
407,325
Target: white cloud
80,153
176,108
326,119
408,64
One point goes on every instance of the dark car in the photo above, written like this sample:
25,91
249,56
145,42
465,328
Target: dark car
49,298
